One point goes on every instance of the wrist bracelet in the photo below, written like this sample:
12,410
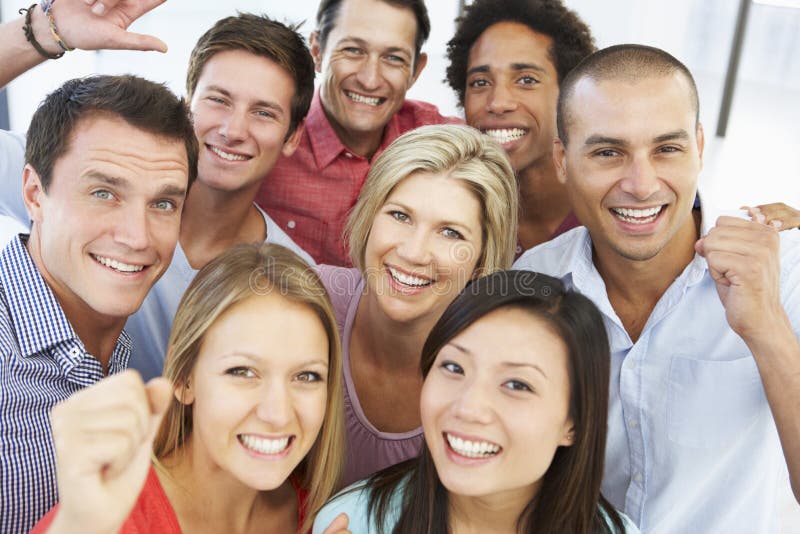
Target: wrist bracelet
53,30
31,38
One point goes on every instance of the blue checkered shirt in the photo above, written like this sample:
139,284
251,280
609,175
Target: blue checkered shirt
42,362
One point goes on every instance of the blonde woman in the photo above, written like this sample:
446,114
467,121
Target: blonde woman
245,428
438,208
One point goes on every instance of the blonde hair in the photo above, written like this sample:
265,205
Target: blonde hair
239,273
464,154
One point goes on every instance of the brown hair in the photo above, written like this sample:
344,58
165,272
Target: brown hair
235,275
261,36
143,104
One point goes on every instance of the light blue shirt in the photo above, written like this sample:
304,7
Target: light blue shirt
354,501
692,445
150,326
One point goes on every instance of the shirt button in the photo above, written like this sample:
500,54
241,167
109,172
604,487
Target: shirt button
519,249
631,365
634,423
291,224
348,155
74,351
637,478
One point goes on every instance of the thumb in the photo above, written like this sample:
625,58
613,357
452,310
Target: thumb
698,247
338,525
159,394
125,40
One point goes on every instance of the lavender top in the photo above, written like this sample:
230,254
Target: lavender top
367,449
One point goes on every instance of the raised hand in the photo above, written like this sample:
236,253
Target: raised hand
777,214
103,438
338,525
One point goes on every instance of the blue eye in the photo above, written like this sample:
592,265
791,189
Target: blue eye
399,215
166,205
103,194
453,234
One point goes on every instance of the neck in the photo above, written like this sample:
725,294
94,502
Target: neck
544,203
635,286
213,221
363,144
98,333
207,499
388,343
495,513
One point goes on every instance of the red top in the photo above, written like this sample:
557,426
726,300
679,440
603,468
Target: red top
153,512
311,193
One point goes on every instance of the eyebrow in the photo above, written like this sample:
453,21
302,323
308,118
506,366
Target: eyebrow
677,135
122,183
259,103
513,365
257,359
514,66
598,139
361,42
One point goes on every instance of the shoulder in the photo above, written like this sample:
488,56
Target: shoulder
419,113
557,256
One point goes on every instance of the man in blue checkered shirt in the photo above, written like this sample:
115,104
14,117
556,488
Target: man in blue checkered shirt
107,165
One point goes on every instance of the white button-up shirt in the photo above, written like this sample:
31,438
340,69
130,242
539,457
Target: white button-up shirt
692,445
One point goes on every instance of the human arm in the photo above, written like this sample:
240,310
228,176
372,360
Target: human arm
103,438
80,27
744,261
777,214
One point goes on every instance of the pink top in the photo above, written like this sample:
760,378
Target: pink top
367,449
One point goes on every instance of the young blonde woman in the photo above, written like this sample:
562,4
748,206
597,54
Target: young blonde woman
438,208
245,427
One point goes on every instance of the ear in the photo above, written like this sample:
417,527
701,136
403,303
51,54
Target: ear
290,145
184,394
315,49
560,160
568,438
701,142
32,193
422,60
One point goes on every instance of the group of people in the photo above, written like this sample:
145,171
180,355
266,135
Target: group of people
327,300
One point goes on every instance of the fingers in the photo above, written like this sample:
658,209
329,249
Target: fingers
338,525
125,40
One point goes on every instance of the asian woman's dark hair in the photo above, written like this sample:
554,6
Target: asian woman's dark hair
569,499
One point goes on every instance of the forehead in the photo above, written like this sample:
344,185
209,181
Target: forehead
628,108
376,22
247,74
436,192
95,142
506,43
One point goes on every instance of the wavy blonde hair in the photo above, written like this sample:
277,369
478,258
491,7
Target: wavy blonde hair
239,273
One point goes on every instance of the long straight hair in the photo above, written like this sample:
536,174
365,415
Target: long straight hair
569,498
240,273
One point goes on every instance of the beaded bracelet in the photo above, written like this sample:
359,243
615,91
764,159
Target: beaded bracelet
48,10
31,38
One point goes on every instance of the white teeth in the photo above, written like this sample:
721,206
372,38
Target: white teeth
505,135
264,445
472,449
118,266
407,279
227,155
369,100
637,216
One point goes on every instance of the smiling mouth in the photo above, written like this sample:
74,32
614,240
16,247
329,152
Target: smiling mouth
638,216
265,445
472,449
505,135
407,279
227,155
125,268
361,99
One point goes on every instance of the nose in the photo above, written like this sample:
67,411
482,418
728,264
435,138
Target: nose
274,405
414,248
233,126
640,179
501,100
472,404
369,73
133,227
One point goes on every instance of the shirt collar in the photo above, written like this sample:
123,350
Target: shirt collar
38,319
326,145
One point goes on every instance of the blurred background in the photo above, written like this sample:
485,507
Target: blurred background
757,161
